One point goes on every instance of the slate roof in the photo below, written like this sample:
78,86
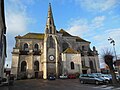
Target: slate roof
78,39
64,33
41,36
31,36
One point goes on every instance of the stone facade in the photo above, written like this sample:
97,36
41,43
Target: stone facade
54,52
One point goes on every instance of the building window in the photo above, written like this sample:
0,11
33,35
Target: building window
50,30
26,47
83,63
91,66
36,47
23,66
83,47
51,42
72,65
50,22
36,66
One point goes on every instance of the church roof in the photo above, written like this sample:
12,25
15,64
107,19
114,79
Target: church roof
65,33
78,39
32,36
70,51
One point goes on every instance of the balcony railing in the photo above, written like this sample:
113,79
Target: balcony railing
36,52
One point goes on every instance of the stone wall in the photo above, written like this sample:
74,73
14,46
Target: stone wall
67,59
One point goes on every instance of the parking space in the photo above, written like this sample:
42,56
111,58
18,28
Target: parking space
58,84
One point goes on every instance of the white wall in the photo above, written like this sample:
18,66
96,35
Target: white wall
67,59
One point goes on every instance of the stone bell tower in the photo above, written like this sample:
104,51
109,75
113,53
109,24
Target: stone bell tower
51,48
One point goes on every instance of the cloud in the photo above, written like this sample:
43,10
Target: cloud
17,21
98,5
77,25
82,27
102,39
96,32
98,21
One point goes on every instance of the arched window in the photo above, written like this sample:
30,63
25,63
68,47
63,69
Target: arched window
65,46
83,47
36,47
26,47
23,66
72,65
50,22
36,66
50,30
51,42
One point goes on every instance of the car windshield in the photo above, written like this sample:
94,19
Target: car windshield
94,75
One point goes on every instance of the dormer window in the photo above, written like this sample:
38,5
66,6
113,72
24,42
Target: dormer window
26,47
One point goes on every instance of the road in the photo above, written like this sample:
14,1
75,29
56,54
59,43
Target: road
68,84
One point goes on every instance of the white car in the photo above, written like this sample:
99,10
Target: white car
63,76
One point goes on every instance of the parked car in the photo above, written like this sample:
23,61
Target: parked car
118,78
5,81
63,76
8,80
89,78
106,77
71,76
51,77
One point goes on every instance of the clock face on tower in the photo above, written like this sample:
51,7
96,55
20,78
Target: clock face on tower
51,57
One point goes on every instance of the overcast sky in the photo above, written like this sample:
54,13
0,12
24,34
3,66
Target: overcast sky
93,20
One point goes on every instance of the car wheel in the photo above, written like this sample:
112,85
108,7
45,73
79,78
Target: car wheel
96,82
107,81
81,82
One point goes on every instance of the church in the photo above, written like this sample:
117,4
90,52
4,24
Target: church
37,55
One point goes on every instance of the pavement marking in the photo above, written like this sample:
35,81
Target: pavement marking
111,87
103,86
107,87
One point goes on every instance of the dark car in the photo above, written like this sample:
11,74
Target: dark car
71,76
51,77
89,78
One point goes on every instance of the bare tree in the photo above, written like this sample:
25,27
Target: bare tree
108,58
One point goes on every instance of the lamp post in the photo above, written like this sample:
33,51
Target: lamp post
113,42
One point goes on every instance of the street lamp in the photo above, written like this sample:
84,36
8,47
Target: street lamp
113,42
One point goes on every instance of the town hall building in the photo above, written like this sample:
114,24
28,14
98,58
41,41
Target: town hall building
37,55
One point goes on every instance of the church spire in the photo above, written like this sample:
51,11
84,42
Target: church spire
50,27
